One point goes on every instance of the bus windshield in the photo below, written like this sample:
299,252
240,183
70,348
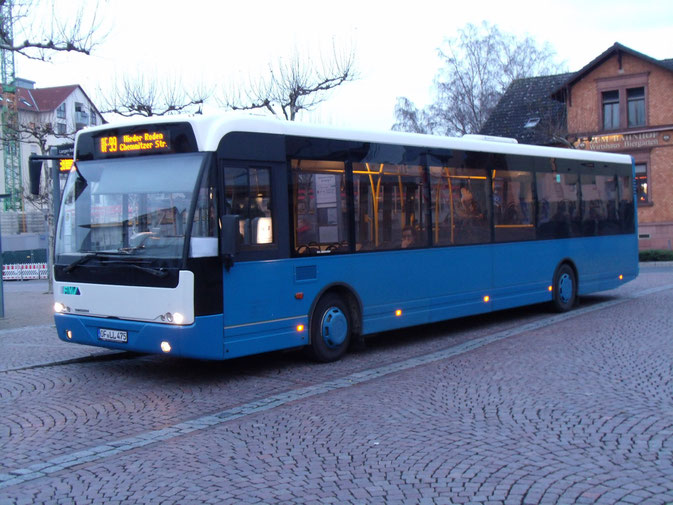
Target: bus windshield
132,207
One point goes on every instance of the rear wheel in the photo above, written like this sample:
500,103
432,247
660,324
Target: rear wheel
565,288
330,329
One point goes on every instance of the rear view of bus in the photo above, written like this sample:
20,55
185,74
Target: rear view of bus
136,240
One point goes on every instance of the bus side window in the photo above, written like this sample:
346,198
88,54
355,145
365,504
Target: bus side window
248,195
459,205
319,207
626,207
557,205
513,205
390,210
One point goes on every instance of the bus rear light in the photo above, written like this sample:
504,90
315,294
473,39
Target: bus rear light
398,312
299,296
165,346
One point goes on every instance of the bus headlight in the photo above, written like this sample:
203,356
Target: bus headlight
59,308
173,317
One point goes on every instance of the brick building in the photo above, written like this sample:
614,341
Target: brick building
622,101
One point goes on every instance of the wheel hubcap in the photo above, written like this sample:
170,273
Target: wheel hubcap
334,327
565,288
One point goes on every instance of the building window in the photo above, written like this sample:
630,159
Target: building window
610,110
642,186
60,128
92,117
60,111
622,101
635,99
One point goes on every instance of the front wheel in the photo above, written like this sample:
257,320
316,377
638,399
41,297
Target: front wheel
330,329
564,289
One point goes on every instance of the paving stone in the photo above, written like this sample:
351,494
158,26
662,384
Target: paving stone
578,411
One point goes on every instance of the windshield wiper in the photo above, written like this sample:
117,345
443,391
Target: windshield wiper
132,249
158,272
81,261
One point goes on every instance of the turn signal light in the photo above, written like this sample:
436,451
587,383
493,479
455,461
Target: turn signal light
398,312
487,299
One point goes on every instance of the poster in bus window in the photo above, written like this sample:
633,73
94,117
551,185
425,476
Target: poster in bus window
325,190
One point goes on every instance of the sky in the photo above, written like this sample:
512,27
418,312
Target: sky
223,44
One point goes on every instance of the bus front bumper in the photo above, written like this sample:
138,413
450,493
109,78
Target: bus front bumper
203,339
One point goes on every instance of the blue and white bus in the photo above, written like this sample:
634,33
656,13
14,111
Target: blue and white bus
219,237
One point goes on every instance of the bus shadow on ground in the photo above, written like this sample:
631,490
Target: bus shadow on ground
295,366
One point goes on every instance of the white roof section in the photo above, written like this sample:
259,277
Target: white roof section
209,130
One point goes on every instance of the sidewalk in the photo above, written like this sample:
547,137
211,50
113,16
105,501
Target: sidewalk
27,332
27,304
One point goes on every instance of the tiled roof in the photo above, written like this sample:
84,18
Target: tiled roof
528,113
618,49
543,98
43,99
667,63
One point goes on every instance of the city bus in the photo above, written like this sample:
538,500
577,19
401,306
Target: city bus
225,236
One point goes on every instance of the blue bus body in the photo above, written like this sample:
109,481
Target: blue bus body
269,303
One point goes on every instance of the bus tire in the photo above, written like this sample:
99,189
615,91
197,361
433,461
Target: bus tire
564,288
331,328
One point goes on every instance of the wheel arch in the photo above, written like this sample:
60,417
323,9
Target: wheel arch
350,296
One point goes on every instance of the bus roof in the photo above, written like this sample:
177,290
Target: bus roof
209,130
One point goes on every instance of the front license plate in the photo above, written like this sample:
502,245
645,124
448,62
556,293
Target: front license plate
113,335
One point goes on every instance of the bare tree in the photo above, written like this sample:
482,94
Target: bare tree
479,64
144,96
294,84
37,29
42,135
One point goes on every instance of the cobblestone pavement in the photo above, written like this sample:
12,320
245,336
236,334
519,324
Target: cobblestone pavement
517,407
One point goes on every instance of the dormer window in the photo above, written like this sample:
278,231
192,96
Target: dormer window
26,102
532,122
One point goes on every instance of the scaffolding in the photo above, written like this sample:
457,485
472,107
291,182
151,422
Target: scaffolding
10,117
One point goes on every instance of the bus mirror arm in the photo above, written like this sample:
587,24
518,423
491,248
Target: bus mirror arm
229,236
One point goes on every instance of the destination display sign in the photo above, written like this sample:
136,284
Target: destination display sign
136,140
152,141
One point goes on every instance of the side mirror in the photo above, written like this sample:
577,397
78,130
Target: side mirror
229,234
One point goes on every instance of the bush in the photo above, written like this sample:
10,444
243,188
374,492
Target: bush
656,255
